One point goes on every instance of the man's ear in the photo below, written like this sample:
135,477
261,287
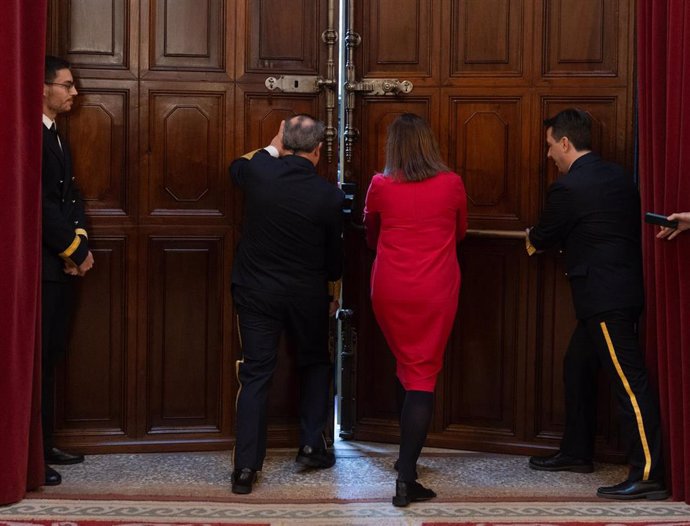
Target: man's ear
316,154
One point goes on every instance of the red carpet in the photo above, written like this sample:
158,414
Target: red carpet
565,522
48,522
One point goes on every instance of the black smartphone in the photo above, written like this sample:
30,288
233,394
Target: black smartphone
659,219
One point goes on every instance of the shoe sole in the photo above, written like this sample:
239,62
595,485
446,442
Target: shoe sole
652,495
241,490
402,502
573,469
244,489
311,463
64,462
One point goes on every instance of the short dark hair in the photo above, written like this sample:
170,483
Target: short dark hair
573,123
53,65
303,133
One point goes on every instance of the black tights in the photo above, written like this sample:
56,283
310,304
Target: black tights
415,418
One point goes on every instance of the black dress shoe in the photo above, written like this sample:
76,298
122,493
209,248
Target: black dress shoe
53,478
406,492
315,457
242,480
561,462
57,456
635,489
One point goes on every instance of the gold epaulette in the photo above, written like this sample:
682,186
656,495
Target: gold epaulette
249,155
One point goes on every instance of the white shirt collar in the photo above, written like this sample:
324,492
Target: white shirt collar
48,122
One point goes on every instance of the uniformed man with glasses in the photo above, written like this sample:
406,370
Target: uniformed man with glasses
65,248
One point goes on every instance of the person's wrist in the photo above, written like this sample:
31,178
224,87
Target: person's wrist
272,150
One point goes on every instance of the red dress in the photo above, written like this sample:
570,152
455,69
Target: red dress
415,279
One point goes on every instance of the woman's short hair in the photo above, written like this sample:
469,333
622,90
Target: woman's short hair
412,153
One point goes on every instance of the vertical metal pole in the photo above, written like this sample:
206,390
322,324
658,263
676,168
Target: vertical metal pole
346,333
352,40
330,37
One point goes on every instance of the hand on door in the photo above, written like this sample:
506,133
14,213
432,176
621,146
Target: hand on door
277,141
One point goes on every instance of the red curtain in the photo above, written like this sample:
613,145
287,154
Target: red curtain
664,131
22,41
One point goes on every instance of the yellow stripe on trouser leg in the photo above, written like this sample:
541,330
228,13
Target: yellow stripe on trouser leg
633,401
237,375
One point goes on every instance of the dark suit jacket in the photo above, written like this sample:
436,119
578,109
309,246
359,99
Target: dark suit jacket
292,231
594,211
64,221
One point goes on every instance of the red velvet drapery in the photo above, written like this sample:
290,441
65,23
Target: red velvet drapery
22,41
664,123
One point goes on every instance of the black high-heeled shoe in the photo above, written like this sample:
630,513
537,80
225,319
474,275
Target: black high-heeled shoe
406,492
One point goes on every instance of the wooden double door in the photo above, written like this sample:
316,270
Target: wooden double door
172,91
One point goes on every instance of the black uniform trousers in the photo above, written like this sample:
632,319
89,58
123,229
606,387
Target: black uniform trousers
56,312
610,340
262,318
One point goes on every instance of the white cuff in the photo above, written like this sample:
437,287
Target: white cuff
272,150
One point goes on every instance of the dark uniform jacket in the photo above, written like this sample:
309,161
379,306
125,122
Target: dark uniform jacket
594,211
292,232
64,221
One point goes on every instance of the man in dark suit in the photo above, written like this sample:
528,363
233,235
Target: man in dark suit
593,211
65,248
291,247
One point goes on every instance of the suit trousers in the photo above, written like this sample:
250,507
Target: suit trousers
56,313
262,318
610,340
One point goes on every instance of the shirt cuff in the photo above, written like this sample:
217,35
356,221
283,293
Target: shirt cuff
272,150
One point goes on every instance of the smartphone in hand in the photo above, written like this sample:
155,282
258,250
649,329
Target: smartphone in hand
659,219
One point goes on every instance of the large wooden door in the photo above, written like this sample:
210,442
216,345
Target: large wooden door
172,91
485,74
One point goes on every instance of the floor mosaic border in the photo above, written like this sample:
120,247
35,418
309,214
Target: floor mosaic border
379,513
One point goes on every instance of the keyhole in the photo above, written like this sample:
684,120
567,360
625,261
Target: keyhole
296,84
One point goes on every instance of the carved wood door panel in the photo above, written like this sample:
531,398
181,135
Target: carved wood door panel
171,92
485,75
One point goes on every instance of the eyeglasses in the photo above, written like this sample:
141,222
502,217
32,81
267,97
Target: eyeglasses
67,85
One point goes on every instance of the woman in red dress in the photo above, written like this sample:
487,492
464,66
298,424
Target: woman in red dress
415,213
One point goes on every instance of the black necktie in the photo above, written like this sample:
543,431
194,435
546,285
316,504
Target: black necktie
53,130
